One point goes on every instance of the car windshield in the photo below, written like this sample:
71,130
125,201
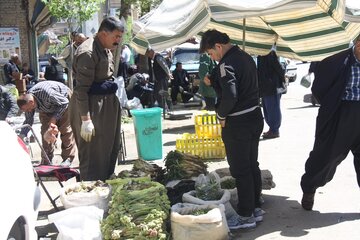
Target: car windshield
186,56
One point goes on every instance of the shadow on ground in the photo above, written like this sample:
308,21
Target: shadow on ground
180,130
291,220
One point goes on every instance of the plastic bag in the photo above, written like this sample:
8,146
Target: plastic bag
208,187
134,104
306,80
185,225
121,93
190,197
78,223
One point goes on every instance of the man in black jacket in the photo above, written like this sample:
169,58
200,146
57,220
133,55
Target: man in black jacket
237,108
337,89
271,81
179,84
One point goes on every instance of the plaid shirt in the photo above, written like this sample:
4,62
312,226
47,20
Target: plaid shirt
51,97
352,89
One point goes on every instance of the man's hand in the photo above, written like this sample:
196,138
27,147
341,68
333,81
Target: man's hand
181,89
87,130
51,133
222,123
9,120
207,80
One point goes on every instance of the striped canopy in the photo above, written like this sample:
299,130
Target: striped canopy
307,30
40,18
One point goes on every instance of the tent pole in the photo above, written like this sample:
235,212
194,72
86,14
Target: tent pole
244,30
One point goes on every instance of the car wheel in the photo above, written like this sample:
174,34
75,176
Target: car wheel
17,231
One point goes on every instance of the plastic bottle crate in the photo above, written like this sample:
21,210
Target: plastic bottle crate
206,148
207,125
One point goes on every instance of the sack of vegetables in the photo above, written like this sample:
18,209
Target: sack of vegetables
208,191
91,193
198,222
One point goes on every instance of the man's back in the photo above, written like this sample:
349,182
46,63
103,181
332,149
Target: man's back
160,68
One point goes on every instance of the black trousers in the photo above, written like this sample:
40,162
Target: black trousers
175,90
241,136
331,148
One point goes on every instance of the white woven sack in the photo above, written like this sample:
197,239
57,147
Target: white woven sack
211,225
98,199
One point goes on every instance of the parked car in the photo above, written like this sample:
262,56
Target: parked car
20,195
188,54
290,69
43,63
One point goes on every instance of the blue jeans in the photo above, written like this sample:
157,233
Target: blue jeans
272,112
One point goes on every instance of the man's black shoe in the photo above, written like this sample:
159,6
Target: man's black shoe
307,201
270,134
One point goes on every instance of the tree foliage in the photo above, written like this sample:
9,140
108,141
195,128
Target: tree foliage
143,5
55,49
74,10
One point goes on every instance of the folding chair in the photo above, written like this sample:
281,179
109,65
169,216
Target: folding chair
45,170
122,153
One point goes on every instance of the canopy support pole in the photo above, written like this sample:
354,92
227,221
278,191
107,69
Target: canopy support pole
244,30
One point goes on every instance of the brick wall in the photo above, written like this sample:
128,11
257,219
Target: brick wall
13,13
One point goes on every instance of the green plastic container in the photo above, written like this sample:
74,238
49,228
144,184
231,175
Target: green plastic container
148,132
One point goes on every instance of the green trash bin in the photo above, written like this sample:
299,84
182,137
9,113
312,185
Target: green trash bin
148,132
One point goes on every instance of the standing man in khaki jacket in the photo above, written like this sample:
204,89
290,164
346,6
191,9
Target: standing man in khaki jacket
95,109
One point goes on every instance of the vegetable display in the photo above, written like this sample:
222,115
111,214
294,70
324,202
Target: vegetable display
143,169
228,183
183,166
138,210
97,186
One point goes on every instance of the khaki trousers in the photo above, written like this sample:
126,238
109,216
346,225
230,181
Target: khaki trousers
68,146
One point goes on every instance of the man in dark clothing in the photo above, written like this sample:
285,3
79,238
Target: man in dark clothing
237,108
140,88
337,89
12,68
179,84
161,75
271,79
54,71
8,106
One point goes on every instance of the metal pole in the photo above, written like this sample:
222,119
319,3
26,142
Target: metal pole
244,30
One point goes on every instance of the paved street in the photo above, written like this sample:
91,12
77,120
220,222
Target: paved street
336,214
